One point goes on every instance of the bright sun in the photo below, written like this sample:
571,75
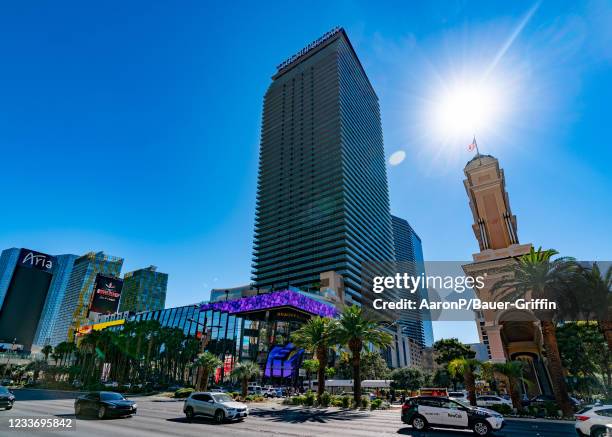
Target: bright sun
466,108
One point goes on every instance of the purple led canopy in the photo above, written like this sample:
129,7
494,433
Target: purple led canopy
273,300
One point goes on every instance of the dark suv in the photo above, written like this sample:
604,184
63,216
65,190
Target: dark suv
423,412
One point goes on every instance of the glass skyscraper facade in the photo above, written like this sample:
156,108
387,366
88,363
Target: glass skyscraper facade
144,290
55,296
409,256
322,196
8,262
74,308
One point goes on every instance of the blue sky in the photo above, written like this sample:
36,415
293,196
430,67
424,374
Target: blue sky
133,127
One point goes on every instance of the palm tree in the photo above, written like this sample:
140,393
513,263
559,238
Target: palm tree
354,331
314,336
46,351
513,371
466,367
537,274
244,371
206,362
599,289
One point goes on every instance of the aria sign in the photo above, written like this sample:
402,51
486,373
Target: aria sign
36,260
308,48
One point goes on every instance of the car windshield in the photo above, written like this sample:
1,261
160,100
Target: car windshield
111,396
3,389
462,403
222,397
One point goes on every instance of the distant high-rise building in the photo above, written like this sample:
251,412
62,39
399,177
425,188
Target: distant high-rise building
322,196
74,309
25,277
409,255
55,296
144,290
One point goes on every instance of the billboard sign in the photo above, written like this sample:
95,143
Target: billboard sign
106,295
36,260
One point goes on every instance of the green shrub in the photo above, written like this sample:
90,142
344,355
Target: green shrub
346,402
309,398
365,402
325,399
502,409
551,409
183,392
298,400
336,401
376,404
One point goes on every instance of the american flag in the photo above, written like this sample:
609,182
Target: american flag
472,145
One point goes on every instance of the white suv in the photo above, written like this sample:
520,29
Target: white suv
592,421
219,406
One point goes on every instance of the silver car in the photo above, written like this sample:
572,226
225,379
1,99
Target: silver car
219,406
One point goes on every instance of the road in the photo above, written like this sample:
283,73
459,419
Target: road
157,418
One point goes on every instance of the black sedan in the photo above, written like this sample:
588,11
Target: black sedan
7,399
104,404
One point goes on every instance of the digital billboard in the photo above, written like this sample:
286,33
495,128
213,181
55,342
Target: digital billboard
106,295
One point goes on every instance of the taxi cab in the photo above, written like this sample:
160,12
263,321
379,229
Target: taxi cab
423,412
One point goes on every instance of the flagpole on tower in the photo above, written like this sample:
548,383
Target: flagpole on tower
474,145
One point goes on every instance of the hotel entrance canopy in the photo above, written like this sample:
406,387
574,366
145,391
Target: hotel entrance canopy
284,304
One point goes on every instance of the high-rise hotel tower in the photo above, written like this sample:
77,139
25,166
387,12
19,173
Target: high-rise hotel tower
322,197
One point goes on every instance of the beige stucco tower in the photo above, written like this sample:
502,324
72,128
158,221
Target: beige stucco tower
510,334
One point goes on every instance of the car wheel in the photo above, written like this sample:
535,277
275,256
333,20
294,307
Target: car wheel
481,428
598,432
77,410
102,412
189,413
9,407
219,416
419,423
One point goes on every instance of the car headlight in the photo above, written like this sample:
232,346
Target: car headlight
135,406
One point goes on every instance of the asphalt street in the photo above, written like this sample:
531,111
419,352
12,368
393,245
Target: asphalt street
158,417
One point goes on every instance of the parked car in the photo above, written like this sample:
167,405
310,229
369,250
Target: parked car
592,421
490,400
219,406
7,398
422,412
104,404
540,400
269,393
111,384
255,390
459,395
